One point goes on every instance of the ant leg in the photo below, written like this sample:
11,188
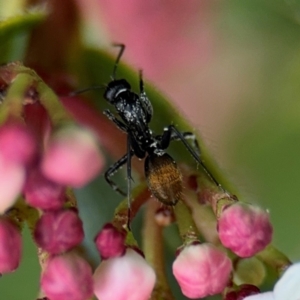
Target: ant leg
129,178
172,133
169,136
144,99
188,136
112,117
191,136
165,138
110,172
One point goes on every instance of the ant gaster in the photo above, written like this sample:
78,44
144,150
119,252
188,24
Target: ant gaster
134,112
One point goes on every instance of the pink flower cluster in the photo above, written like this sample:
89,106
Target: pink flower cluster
123,273
71,157
202,270
43,172
40,163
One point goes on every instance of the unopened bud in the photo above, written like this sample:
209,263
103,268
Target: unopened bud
12,178
17,143
245,229
10,246
110,242
58,231
126,277
40,192
72,156
201,270
67,276
164,216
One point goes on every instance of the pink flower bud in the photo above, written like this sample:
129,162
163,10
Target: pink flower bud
110,242
10,246
72,156
12,177
43,193
164,216
127,277
201,270
67,276
245,229
58,231
17,143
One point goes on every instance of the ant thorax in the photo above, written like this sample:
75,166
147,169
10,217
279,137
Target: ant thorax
128,106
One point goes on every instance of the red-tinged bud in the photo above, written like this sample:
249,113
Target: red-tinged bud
242,292
17,143
58,231
12,178
127,277
201,270
67,276
164,216
247,290
72,156
245,229
41,192
10,246
110,242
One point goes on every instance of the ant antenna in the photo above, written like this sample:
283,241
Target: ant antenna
96,87
141,81
122,48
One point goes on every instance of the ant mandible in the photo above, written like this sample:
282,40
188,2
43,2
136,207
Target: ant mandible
135,111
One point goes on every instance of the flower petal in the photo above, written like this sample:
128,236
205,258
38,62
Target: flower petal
127,277
287,287
263,296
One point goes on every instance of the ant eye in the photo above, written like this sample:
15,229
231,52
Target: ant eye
109,94
164,178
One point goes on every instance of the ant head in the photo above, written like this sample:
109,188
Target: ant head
114,88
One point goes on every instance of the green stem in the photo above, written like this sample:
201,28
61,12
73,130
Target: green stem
20,79
153,250
216,197
55,109
13,101
139,196
274,258
187,229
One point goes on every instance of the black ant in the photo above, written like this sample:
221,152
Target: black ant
135,112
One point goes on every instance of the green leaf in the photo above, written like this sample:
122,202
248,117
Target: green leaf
14,35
